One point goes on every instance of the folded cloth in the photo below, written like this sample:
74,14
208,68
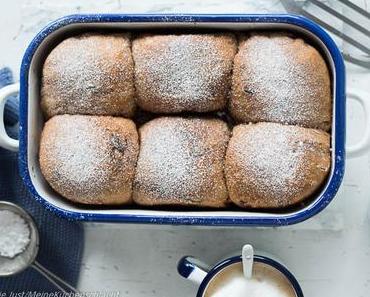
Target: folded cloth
61,241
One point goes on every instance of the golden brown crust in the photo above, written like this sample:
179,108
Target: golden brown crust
277,78
271,165
90,159
181,162
89,74
186,72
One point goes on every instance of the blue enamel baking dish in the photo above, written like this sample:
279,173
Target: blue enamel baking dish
31,120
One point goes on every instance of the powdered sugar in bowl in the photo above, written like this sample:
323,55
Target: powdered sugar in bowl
22,251
14,234
23,245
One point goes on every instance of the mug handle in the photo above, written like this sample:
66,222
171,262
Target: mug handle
361,147
192,269
6,141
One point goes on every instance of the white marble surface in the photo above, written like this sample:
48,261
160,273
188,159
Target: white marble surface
329,254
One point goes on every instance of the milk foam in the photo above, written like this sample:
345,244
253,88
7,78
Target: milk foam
242,287
266,281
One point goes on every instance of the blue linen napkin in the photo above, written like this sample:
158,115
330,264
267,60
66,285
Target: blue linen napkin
61,241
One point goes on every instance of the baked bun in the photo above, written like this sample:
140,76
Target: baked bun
181,162
89,74
270,165
90,159
186,72
277,78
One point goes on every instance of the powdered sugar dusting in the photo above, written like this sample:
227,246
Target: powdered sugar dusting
89,74
276,165
83,157
181,163
281,79
80,163
178,73
174,165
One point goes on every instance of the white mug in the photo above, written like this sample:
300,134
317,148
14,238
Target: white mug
202,275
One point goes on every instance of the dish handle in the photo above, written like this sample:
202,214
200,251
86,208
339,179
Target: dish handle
353,151
6,141
362,146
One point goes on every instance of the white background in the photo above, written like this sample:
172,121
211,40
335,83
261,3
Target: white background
329,254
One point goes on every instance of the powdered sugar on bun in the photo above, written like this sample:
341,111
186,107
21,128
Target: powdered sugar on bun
90,159
278,78
271,165
89,74
181,162
176,73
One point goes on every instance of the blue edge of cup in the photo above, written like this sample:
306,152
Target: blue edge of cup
185,268
281,220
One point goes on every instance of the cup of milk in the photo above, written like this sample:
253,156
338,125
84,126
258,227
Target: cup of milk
269,278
